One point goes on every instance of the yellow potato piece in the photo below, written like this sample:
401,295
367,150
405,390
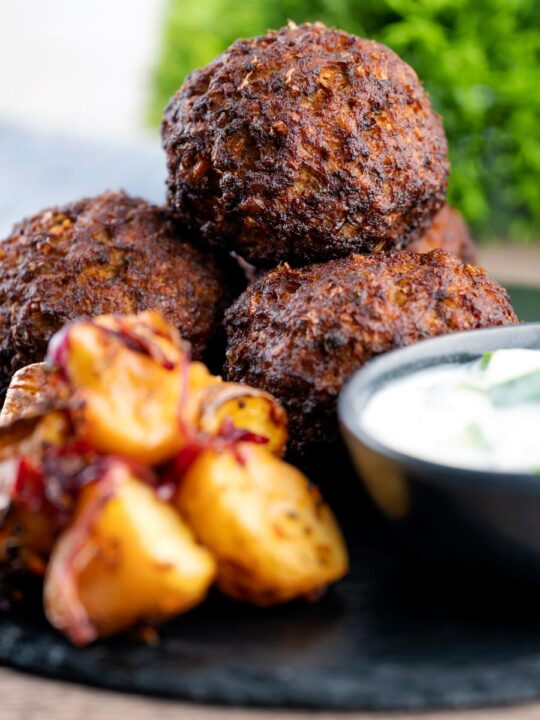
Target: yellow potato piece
213,403
247,409
27,528
127,382
136,560
200,378
273,536
127,401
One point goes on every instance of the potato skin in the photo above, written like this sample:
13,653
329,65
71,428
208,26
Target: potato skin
449,232
33,391
125,397
136,561
299,334
248,409
271,533
303,145
106,254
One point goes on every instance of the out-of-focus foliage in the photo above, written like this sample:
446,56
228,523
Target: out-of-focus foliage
479,59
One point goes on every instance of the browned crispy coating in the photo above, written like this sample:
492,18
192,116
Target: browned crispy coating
299,334
110,253
303,145
449,232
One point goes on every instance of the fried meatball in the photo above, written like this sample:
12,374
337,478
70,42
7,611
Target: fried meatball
300,333
449,232
106,254
304,145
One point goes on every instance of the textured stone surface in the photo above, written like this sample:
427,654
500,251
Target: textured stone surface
395,635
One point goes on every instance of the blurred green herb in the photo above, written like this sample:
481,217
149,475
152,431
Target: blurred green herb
486,359
479,59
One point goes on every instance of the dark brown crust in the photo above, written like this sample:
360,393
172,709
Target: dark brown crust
449,232
110,253
299,334
304,145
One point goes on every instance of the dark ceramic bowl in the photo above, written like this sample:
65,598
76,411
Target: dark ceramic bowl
482,517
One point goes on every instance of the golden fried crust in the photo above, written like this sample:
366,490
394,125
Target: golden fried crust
299,334
106,254
449,232
304,145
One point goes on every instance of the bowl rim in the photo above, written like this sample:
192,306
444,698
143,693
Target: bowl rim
424,354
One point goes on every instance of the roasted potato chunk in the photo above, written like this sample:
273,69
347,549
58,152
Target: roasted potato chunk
26,531
128,375
118,457
27,525
273,536
27,538
215,407
33,390
127,557
83,354
246,409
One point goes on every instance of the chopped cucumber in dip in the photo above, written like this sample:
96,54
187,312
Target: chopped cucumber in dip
523,389
483,415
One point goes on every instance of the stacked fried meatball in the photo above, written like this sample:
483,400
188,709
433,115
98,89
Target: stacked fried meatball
448,232
306,145
300,333
106,254
309,145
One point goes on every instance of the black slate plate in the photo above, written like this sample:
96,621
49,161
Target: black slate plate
398,633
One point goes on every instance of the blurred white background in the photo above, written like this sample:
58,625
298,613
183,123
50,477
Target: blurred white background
74,79
79,67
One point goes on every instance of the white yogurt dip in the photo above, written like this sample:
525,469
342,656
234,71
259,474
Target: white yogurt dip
483,415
